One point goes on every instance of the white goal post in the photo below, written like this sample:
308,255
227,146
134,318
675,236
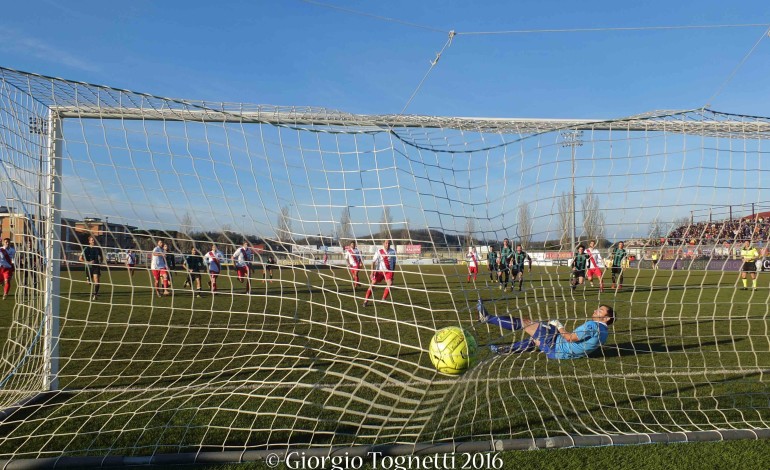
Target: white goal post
184,361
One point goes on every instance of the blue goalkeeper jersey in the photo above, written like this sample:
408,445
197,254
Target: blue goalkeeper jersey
592,335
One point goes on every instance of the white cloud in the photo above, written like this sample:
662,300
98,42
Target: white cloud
17,42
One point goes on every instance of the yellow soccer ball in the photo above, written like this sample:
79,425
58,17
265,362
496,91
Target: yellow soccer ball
452,350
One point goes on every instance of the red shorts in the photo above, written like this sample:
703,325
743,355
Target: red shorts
243,271
157,273
354,270
380,276
594,272
473,269
6,274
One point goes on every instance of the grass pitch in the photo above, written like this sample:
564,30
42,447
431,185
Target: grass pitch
301,362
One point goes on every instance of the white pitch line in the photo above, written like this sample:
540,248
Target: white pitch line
422,383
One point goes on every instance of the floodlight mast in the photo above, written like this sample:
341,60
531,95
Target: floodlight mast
572,139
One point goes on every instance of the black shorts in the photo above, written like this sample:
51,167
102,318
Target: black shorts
579,273
194,275
749,267
516,271
617,270
93,270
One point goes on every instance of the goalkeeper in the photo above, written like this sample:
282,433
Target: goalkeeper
551,337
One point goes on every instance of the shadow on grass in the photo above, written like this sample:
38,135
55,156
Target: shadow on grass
25,410
635,348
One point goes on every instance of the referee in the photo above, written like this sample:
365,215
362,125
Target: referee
749,254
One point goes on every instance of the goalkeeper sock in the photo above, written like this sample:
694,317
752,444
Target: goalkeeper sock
745,282
754,283
509,323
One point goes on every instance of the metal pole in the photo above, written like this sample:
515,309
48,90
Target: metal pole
39,127
574,229
572,139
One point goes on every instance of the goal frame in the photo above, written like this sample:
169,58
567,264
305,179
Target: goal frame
53,150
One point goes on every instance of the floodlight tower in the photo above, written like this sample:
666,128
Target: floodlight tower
572,139
39,127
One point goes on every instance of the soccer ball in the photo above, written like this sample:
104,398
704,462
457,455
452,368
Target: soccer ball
452,350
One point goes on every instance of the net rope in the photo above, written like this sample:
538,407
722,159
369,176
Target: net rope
300,361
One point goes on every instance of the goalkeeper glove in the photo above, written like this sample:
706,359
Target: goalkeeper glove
557,324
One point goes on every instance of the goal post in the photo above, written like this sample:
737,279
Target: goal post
269,339
52,240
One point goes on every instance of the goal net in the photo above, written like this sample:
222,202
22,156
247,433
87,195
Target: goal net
99,184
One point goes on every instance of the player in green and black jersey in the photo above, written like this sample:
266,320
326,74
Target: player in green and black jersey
93,258
580,263
502,273
492,263
520,257
506,257
194,265
617,256
271,264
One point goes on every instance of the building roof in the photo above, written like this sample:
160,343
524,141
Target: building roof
761,215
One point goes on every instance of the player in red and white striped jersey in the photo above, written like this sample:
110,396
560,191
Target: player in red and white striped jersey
213,261
159,269
473,263
354,261
383,265
242,260
596,264
7,268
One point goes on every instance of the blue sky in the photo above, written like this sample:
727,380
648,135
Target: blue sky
294,53
297,53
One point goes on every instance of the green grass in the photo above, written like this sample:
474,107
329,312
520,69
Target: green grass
744,455
300,361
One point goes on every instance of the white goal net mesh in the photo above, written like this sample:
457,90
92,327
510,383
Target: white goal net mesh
300,361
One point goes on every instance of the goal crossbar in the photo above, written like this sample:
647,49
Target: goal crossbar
657,122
